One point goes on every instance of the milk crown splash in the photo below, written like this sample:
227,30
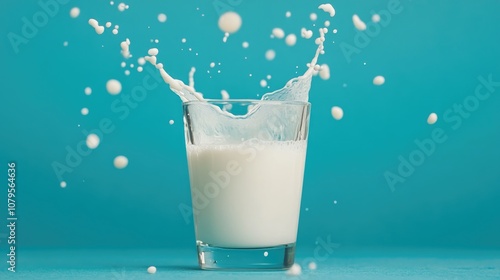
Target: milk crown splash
297,89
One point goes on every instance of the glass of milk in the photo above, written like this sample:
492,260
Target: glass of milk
246,165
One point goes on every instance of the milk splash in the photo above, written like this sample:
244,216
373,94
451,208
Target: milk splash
296,89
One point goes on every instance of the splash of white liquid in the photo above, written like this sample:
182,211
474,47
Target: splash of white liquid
185,92
162,17
125,45
92,141
337,113
113,87
120,162
191,77
224,94
327,8
297,89
278,33
304,33
358,23
291,39
378,80
324,72
270,55
152,270
74,12
230,22
294,270
432,119
98,28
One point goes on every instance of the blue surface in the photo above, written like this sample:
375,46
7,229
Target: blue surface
181,264
434,56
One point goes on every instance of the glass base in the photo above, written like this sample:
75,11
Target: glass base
217,258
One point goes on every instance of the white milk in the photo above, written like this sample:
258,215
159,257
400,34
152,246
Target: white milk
248,195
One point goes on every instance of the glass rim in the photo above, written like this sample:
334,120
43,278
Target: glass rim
247,101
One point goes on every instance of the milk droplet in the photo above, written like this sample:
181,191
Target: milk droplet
153,51
123,64
88,91
278,33
94,23
224,94
291,39
327,8
304,33
74,12
84,111
212,64
224,39
141,61
65,43
122,7
327,23
268,77
266,254
183,40
63,184
270,55
115,31
139,69
313,16
171,122
324,72
162,17
378,80
337,113
263,83
358,23
108,24
375,18
113,87
120,162
245,45
335,31
312,266
230,22
294,270
127,72
125,45
92,141
432,119
288,14
151,270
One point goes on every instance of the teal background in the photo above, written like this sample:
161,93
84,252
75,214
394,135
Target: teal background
431,55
